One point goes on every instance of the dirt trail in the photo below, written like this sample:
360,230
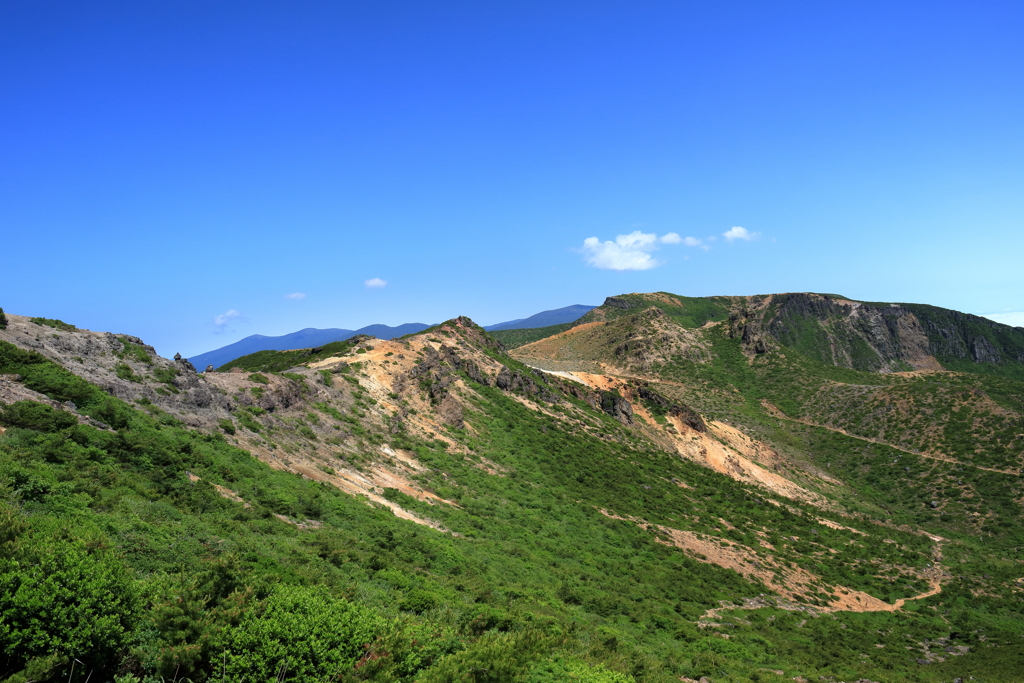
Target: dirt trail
792,585
849,601
778,414
934,589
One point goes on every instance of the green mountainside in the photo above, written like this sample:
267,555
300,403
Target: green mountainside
736,488
515,338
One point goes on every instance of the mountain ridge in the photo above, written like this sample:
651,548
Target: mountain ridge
305,338
311,337
672,488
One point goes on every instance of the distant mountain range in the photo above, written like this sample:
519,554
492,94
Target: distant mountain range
303,339
557,316
312,337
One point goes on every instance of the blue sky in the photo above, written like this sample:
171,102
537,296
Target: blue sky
177,170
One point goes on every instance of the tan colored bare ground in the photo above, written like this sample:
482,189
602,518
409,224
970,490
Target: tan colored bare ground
550,347
756,451
490,467
230,495
732,453
794,584
369,484
223,491
836,525
705,449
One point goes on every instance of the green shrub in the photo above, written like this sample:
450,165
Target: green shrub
418,600
55,324
32,415
402,651
165,375
130,350
301,633
227,426
247,421
124,372
559,669
494,658
62,597
258,378
3,320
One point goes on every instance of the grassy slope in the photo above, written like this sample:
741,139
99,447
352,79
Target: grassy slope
515,338
690,312
279,361
536,555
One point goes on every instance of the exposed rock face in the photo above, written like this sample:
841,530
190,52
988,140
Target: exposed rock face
952,334
466,365
580,392
185,366
617,406
126,367
747,326
279,393
683,413
431,376
616,302
451,411
872,337
516,381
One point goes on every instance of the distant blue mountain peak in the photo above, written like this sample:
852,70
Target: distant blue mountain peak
556,316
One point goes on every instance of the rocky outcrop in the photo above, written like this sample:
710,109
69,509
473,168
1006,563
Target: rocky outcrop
430,374
679,411
516,381
466,365
877,337
962,336
617,302
618,407
450,411
126,367
747,326
852,334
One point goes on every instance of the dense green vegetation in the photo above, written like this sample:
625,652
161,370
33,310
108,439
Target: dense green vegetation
515,338
279,361
690,312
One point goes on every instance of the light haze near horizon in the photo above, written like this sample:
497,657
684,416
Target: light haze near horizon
193,173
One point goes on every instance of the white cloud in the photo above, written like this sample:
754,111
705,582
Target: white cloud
632,251
1015,318
375,282
296,296
738,233
627,252
224,318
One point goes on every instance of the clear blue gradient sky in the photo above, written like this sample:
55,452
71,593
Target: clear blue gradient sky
164,164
